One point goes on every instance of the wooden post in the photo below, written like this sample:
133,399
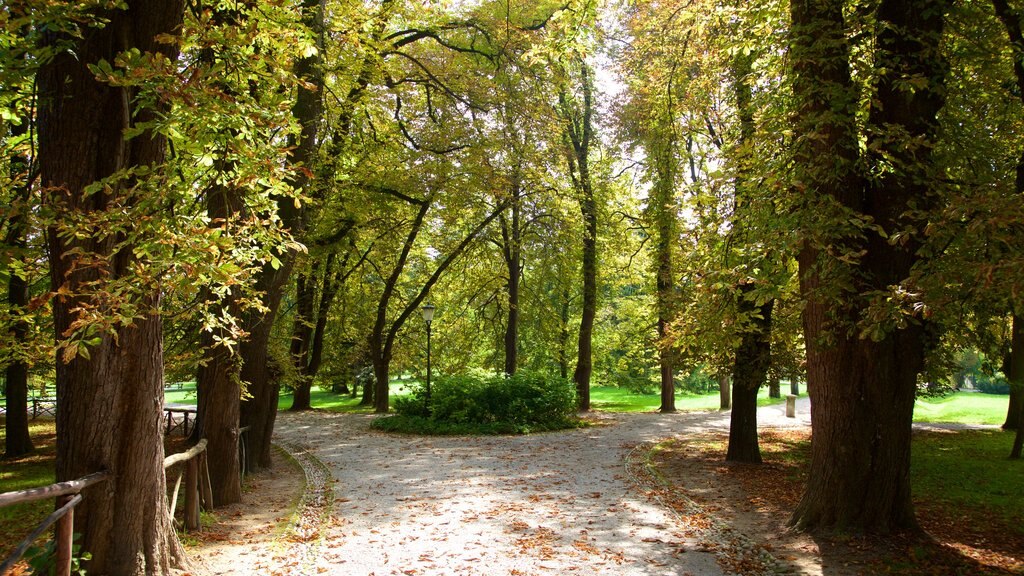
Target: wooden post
192,495
724,392
64,538
174,496
204,482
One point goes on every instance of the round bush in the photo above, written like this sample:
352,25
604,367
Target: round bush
525,401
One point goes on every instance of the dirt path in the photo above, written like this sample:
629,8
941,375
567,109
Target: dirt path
557,503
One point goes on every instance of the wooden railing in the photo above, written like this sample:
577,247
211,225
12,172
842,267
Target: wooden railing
197,483
68,495
198,492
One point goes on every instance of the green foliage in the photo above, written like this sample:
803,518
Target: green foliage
43,559
524,402
698,381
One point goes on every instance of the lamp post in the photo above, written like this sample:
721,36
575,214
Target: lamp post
428,317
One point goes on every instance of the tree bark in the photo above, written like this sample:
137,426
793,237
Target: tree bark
110,403
1017,382
862,389
217,386
302,335
724,392
1012,22
753,357
259,411
17,441
579,133
512,252
665,210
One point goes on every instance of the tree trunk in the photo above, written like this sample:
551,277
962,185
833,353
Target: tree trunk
259,412
753,357
664,207
381,377
217,420
17,441
1017,381
512,252
579,133
302,334
563,335
218,391
110,412
774,389
862,389
724,392
1015,411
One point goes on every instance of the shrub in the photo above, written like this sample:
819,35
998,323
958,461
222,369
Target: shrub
523,402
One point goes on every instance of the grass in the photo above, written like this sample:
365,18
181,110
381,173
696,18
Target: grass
963,408
966,497
968,473
30,471
615,399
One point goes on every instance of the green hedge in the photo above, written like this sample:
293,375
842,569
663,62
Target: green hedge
525,402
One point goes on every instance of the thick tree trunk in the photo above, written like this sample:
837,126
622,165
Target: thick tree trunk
512,252
110,411
302,334
1015,374
17,441
584,359
774,389
563,335
217,420
1012,22
218,391
579,133
1017,382
724,392
259,412
862,389
381,378
753,357
665,221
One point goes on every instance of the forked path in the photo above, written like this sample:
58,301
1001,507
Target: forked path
554,503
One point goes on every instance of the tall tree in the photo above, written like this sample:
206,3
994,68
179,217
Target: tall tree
110,380
18,441
259,410
862,382
576,108
754,310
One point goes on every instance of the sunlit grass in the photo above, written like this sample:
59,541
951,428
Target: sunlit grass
30,471
963,408
969,470
615,399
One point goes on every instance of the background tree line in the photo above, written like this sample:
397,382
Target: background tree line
255,194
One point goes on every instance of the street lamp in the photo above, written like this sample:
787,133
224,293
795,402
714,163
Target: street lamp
428,317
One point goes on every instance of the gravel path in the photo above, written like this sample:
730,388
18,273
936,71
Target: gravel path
555,503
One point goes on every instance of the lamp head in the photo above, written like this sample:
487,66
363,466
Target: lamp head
428,313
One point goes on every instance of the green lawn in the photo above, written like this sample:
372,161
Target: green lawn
963,408
968,470
30,471
614,399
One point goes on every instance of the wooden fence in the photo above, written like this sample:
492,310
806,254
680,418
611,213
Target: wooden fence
198,491
68,495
